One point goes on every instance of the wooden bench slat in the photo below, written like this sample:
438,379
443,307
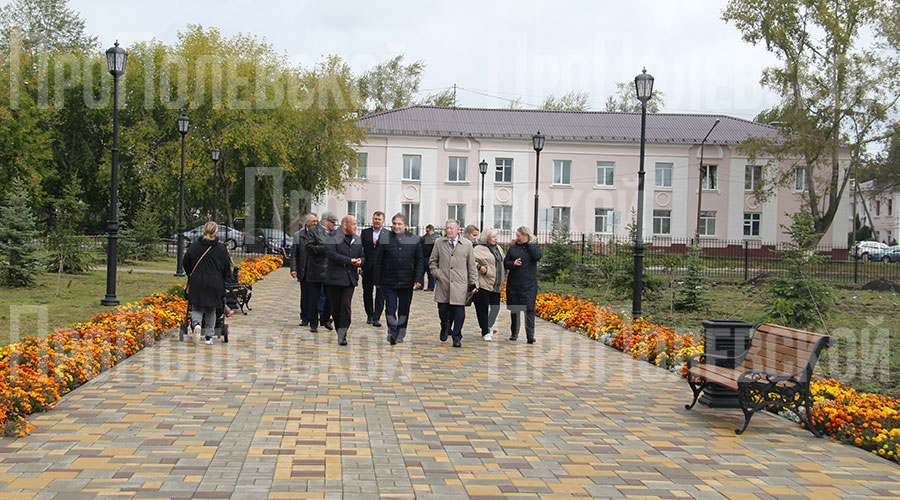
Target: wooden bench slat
790,332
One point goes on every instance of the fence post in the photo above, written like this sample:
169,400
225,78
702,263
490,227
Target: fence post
746,260
855,268
582,249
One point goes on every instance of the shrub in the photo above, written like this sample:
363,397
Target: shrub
19,260
559,256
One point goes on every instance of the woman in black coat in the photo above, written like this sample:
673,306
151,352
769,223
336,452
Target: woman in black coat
521,281
208,266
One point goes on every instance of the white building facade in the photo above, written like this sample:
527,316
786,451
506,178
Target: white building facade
424,162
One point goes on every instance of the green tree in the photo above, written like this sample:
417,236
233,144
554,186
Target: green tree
559,255
625,100
67,247
833,90
45,24
19,260
690,294
390,84
570,101
445,98
145,232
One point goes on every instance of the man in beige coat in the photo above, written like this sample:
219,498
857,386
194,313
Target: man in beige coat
452,262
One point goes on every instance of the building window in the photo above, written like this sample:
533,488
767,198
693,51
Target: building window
457,169
562,172
890,207
553,216
603,220
752,177
605,173
751,224
411,211
877,208
504,170
663,175
412,168
662,222
710,177
458,212
707,223
890,237
362,166
503,217
801,182
358,210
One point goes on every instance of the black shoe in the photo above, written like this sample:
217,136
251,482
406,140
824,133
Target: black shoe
391,339
328,325
343,342
376,324
457,343
444,334
513,338
369,321
313,329
531,340
304,322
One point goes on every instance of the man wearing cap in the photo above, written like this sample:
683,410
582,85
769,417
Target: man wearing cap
317,238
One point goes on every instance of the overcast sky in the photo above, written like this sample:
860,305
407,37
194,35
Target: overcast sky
505,49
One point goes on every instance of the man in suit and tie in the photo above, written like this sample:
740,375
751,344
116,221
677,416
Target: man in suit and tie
345,258
370,244
453,263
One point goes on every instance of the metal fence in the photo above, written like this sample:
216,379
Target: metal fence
743,259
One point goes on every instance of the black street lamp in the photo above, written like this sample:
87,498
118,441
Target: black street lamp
115,62
184,124
537,141
215,158
482,167
700,182
643,84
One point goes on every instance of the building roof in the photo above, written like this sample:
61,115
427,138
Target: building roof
565,126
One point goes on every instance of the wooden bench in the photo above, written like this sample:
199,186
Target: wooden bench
775,370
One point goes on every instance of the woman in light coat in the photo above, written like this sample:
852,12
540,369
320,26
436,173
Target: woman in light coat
489,259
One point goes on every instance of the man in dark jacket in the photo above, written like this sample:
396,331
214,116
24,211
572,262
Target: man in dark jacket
428,240
370,242
317,237
521,281
298,267
345,257
399,268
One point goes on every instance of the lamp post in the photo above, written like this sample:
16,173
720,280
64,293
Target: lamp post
184,124
643,84
215,158
537,140
482,167
115,62
700,181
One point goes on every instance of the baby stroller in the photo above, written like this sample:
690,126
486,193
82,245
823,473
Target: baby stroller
237,296
221,329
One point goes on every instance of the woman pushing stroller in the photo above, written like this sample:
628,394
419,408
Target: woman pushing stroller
209,266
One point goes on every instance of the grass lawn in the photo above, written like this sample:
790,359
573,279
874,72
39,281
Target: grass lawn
78,300
866,352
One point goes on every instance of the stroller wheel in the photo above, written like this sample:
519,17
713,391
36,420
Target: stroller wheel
182,331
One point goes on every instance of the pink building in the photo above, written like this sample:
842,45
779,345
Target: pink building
423,161
879,211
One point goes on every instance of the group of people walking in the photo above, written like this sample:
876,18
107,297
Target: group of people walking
461,269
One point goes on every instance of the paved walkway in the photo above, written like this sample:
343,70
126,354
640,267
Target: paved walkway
282,413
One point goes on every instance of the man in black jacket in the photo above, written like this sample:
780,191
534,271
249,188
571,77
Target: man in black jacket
345,257
298,267
428,240
370,242
399,268
317,237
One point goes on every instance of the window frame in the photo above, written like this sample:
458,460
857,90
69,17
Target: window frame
797,177
465,174
363,171
670,169
705,219
755,172
403,174
707,172
455,215
565,171
504,171
407,209
608,220
360,215
504,223
752,220
659,217
609,173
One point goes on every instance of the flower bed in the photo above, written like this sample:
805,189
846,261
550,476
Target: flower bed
36,372
252,269
868,421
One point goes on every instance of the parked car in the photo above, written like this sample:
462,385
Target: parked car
230,236
889,254
268,240
865,249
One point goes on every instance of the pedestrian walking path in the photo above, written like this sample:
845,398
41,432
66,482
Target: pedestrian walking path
281,413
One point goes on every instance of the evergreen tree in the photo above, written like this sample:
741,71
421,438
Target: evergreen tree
691,294
68,248
18,250
145,230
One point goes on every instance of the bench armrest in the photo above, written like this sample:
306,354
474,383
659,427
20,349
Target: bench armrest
751,376
703,358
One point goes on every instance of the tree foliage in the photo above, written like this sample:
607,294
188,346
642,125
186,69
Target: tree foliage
625,100
570,101
390,84
66,244
48,25
19,261
834,90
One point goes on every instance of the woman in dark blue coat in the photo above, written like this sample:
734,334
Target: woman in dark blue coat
521,281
